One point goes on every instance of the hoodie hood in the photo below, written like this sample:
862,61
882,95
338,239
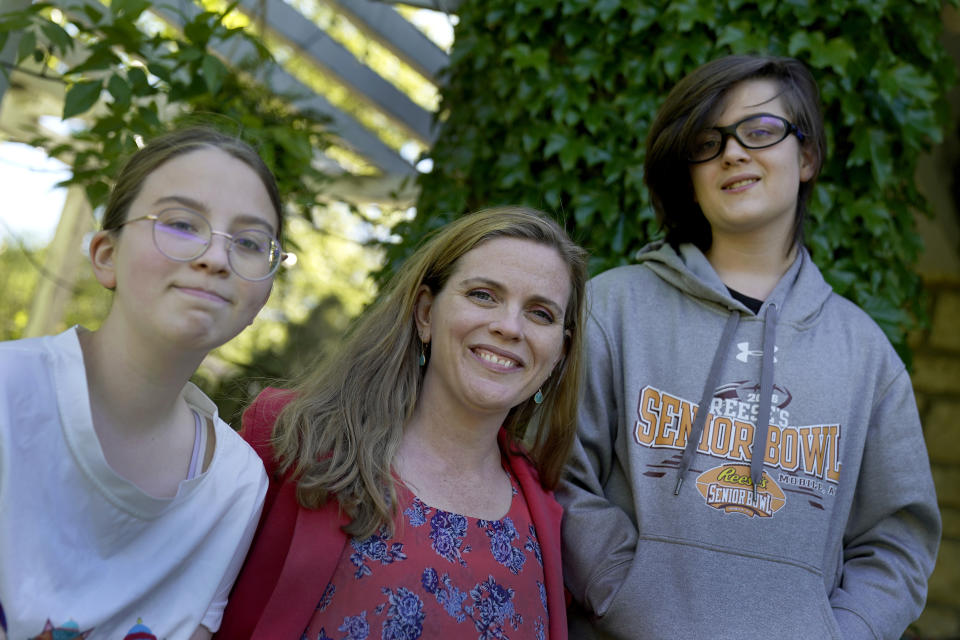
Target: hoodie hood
689,270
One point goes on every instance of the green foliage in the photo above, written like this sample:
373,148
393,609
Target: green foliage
129,78
547,103
21,268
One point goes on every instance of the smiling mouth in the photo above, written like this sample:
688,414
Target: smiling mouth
740,183
496,359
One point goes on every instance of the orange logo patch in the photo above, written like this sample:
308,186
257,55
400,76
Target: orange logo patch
730,488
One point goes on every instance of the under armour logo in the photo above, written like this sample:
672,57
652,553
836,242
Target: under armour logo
745,352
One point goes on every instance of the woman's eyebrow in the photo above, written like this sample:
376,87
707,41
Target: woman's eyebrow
493,284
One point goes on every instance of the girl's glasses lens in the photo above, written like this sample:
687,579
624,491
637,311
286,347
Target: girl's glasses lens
254,254
184,235
181,234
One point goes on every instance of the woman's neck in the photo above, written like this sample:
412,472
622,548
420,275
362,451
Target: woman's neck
462,440
452,462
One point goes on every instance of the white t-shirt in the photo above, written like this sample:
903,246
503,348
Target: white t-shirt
83,548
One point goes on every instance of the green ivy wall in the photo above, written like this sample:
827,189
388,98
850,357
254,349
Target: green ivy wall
547,103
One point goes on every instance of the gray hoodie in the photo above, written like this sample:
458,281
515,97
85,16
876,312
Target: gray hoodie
822,525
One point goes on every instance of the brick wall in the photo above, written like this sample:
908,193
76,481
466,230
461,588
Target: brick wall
936,381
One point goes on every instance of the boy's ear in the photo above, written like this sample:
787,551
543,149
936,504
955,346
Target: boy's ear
808,163
103,249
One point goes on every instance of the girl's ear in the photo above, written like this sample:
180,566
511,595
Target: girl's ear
103,250
422,308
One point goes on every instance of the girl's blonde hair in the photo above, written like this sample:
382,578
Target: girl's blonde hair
342,429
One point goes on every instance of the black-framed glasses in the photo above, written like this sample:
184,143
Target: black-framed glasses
753,132
184,235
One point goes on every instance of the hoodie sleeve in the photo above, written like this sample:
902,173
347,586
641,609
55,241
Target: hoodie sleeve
599,538
891,537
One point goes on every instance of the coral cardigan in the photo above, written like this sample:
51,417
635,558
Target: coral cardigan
295,550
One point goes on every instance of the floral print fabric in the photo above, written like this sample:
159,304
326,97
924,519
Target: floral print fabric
441,575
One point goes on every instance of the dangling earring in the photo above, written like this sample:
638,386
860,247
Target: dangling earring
423,357
538,396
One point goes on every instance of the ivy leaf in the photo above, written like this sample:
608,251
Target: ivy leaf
529,141
92,12
119,89
157,68
197,30
840,279
57,36
887,315
28,42
643,16
875,218
690,12
100,58
837,54
881,156
555,142
617,242
80,97
190,53
148,114
732,33
584,208
570,153
97,192
130,10
138,81
596,155
604,9
905,79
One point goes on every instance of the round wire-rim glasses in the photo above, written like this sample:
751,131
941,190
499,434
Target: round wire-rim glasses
758,131
183,235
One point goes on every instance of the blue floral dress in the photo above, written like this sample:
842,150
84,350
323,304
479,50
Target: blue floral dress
441,575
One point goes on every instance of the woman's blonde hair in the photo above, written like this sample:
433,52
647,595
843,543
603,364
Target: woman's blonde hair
342,429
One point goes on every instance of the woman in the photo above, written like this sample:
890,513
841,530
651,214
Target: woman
123,496
401,502
750,461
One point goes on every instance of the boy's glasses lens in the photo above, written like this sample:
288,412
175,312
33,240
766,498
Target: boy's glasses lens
755,132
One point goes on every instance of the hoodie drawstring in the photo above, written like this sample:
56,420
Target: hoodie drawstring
703,409
766,396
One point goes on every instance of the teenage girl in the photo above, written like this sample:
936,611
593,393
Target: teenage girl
124,499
